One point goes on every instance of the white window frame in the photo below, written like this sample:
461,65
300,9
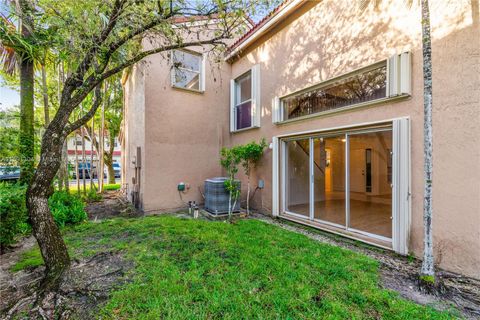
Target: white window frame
401,176
201,72
255,99
398,86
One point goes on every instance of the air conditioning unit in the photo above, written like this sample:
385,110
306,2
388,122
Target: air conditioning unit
216,196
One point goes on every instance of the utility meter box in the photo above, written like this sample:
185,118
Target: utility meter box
181,186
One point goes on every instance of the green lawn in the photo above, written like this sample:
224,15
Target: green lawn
115,186
194,269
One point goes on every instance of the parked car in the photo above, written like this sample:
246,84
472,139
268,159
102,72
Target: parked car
9,173
81,166
117,169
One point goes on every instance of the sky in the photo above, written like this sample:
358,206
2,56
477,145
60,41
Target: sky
8,97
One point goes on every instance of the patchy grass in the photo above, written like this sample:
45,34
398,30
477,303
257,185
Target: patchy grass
188,269
28,259
114,186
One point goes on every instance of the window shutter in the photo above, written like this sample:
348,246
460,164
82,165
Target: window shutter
401,185
399,74
256,105
392,76
406,73
275,178
202,73
276,112
232,105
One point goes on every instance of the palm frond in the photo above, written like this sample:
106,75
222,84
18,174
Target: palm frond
8,58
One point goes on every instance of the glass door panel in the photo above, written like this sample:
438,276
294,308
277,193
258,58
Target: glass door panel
297,177
370,182
329,179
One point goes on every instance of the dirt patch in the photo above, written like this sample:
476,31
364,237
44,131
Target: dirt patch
111,205
84,288
400,274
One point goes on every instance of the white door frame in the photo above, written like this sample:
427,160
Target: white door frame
401,197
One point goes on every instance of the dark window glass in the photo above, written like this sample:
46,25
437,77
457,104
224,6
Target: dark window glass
243,101
367,86
244,115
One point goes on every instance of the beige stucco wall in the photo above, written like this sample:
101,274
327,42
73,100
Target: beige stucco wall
184,131
326,39
134,128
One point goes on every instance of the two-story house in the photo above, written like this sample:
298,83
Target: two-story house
338,94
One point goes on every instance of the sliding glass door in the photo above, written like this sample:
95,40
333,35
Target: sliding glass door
370,196
343,180
329,179
297,177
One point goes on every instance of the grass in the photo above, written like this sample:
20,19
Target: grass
190,269
28,259
112,186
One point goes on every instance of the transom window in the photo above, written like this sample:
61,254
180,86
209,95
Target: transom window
383,80
362,87
187,70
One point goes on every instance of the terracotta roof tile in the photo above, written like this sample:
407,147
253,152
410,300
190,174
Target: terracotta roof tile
257,26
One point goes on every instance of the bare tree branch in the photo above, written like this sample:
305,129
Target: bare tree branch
144,54
80,122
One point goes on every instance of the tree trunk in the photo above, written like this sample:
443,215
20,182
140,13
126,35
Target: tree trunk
52,247
84,161
92,171
45,96
428,261
66,177
76,164
248,194
109,158
27,134
111,173
101,152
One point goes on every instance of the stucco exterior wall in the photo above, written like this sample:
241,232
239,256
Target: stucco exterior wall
134,129
181,132
184,131
329,38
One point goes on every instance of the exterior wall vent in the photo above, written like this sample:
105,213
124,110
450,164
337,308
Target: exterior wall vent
216,196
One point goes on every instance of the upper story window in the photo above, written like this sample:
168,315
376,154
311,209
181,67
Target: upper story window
362,87
245,100
188,70
386,79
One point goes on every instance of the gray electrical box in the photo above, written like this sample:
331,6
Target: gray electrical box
261,184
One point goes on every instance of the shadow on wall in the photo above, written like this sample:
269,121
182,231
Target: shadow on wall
334,37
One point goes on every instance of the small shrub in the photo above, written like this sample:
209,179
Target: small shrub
13,213
91,196
66,208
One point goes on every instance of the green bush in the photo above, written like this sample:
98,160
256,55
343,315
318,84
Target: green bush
66,208
13,213
91,196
